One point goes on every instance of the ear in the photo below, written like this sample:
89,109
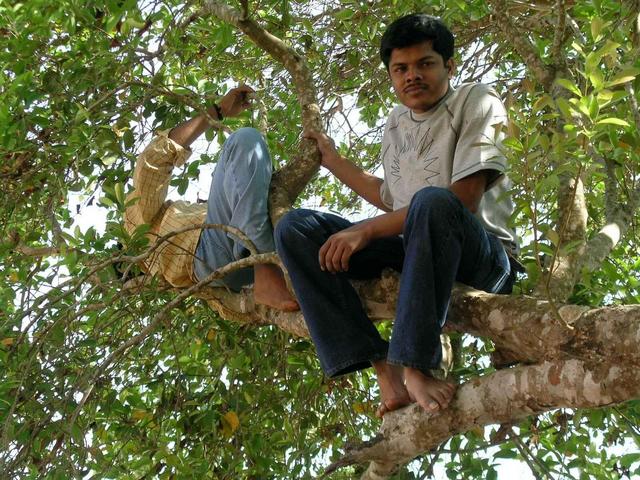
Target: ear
451,67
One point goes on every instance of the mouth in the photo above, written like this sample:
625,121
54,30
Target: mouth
415,88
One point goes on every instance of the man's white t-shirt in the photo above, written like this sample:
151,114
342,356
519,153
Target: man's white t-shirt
459,136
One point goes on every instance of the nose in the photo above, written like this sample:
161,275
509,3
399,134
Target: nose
413,74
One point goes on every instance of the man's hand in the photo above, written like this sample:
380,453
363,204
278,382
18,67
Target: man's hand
336,252
236,101
326,146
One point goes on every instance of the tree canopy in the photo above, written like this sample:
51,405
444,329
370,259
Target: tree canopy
109,375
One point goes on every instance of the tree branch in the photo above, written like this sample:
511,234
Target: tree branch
289,181
501,397
559,35
542,72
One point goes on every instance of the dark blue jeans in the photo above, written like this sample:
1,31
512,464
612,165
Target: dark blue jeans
442,243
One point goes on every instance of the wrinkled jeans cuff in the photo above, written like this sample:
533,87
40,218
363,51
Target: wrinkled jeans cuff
352,365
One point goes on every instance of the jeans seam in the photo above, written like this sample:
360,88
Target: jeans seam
502,279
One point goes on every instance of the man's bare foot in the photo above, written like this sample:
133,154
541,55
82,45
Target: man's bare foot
393,393
430,393
270,288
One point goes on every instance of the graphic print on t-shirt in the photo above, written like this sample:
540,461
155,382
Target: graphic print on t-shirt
415,148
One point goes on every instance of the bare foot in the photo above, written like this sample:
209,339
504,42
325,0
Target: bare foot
393,393
430,393
270,288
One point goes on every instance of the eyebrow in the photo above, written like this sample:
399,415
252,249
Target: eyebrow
426,57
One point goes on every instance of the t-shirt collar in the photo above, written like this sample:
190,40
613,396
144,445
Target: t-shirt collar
419,117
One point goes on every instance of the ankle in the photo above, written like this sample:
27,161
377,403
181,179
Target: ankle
411,373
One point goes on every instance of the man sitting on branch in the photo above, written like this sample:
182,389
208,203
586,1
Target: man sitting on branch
447,205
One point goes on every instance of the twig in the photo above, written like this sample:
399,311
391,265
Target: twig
559,35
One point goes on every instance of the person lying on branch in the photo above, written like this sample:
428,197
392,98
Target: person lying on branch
238,197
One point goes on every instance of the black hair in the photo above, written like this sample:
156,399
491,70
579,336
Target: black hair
120,268
413,29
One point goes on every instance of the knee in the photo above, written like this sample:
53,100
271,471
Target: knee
434,199
246,136
250,142
434,204
290,228
247,151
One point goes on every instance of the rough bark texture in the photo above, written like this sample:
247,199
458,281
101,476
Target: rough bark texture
592,363
559,281
522,327
502,397
557,284
544,73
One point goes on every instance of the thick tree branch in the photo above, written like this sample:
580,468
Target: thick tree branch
559,34
511,322
501,397
289,181
558,282
525,48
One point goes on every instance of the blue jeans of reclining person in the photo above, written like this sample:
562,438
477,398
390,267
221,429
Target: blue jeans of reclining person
238,197
442,243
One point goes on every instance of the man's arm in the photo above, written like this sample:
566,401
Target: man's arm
478,160
470,189
361,182
152,173
335,253
233,103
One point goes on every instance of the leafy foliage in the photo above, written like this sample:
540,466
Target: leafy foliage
82,86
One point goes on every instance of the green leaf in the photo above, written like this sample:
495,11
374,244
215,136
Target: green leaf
597,24
119,193
613,121
565,108
594,108
625,76
542,102
629,459
553,236
569,85
597,79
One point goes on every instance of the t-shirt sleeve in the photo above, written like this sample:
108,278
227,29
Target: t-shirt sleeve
385,194
385,191
484,121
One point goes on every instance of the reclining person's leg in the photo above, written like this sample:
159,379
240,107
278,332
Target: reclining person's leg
239,197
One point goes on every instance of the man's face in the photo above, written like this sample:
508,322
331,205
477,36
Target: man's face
419,75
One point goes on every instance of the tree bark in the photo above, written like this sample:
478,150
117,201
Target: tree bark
589,360
504,396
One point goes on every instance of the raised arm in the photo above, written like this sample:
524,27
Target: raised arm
231,105
361,182
152,173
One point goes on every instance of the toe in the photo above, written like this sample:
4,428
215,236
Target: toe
432,406
382,410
